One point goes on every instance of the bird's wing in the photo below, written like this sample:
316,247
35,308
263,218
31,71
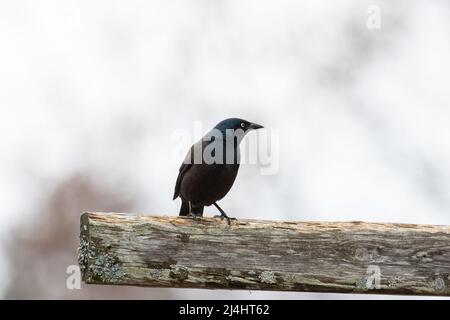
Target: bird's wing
197,148
185,166
183,169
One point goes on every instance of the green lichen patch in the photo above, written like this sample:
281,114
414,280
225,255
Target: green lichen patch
438,284
361,283
393,281
85,253
289,277
97,264
159,273
106,269
267,277
179,272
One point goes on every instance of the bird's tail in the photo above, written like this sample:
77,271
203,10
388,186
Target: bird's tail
184,210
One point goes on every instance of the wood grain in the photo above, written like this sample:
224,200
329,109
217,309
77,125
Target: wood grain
344,257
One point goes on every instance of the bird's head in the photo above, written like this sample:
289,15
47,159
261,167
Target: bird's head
233,129
230,130
237,124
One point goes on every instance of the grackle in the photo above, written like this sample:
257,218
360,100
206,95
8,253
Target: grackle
210,167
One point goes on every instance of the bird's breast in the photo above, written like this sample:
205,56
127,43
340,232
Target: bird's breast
205,184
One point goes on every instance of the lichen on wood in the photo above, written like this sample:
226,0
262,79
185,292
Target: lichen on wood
157,251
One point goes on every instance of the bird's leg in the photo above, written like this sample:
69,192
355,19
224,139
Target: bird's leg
223,214
192,214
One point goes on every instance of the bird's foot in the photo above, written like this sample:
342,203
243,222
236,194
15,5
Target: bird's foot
223,215
195,216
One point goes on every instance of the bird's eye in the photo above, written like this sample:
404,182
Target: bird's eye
243,125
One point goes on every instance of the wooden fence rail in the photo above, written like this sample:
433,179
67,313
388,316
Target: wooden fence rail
343,257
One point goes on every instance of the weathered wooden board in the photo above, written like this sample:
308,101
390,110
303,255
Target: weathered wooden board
344,257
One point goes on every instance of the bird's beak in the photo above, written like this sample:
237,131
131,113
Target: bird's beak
254,126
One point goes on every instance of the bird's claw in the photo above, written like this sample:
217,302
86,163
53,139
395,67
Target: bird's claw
224,216
194,216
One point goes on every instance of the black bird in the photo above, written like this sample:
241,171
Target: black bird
210,167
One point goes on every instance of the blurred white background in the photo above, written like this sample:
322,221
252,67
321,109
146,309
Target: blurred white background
91,91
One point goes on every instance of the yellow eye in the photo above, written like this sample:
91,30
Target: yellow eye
242,125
